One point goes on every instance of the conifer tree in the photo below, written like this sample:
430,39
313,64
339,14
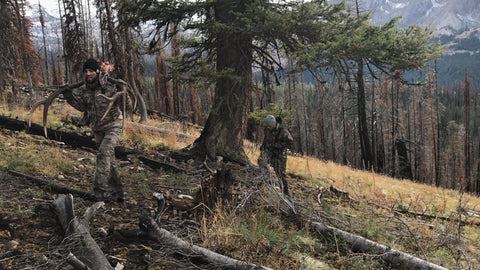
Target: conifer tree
391,49
74,39
19,58
231,36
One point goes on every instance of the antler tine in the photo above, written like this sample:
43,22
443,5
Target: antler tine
47,102
129,90
112,101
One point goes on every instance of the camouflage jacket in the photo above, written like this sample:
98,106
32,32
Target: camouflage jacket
86,99
277,140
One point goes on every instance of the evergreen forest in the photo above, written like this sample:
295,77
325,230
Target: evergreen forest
363,96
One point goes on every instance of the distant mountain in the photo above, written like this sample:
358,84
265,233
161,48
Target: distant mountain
446,16
456,24
53,30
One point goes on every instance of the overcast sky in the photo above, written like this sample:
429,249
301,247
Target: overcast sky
50,5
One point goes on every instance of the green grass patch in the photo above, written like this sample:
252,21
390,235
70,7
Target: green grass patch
362,263
24,211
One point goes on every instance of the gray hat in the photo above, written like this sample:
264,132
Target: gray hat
270,121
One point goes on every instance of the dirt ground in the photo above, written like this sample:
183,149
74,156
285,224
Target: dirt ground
38,241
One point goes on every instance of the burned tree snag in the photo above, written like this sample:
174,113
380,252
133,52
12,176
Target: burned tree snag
216,187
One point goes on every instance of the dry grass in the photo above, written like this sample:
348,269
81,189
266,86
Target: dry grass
262,233
35,159
377,188
360,184
380,188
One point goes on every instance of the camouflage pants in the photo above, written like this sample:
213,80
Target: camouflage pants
279,164
106,175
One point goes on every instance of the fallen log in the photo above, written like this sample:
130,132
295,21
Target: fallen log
79,242
50,186
69,138
395,258
149,229
154,164
159,131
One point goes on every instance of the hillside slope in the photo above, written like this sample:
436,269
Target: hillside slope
400,214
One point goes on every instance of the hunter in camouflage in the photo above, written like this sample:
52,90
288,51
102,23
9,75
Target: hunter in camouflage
95,100
274,150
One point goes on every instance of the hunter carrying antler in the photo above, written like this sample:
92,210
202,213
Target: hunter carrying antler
104,105
103,100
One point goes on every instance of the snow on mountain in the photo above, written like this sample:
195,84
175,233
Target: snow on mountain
444,16
53,31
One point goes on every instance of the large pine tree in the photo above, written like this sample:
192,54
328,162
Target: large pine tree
233,37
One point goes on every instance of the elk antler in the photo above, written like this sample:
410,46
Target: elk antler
112,100
46,103
131,94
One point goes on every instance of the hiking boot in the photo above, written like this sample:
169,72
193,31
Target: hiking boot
100,196
121,199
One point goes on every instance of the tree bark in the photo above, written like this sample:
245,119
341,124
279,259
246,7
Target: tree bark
181,248
367,156
77,232
395,258
225,128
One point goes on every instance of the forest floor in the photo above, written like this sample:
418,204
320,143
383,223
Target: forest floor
374,208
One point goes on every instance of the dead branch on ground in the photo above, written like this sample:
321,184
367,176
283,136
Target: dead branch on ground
78,241
50,186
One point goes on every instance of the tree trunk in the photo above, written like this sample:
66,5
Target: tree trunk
19,8
42,22
175,91
163,97
72,139
49,186
437,135
141,101
366,149
405,169
466,113
225,128
196,117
